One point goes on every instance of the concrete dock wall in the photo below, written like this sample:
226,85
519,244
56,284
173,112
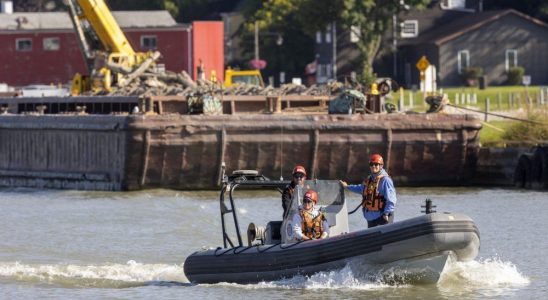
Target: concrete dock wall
69,152
496,166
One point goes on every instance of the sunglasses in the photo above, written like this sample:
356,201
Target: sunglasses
374,164
306,200
298,175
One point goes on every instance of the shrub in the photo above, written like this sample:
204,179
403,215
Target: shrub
471,75
514,75
529,133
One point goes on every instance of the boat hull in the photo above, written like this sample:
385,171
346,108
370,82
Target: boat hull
412,243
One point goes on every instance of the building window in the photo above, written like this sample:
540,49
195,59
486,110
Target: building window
410,29
322,73
511,58
23,44
328,71
320,70
148,42
463,60
328,34
354,34
318,37
328,37
450,4
51,44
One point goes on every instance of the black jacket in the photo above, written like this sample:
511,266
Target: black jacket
287,195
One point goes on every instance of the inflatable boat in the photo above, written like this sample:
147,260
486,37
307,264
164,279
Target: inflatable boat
418,247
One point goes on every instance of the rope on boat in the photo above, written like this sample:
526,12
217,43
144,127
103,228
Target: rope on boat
245,248
217,255
291,245
355,209
259,250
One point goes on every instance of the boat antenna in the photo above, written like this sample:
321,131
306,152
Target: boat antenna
281,150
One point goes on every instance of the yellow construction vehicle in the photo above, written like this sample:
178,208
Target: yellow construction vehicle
115,63
247,76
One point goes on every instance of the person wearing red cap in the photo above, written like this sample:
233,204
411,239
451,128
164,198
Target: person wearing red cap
298,178
309,223
378,194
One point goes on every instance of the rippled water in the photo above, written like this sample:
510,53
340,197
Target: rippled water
82,245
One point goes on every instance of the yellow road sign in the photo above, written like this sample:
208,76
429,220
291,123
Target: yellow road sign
423,64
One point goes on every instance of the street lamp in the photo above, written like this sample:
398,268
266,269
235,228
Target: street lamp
257,62
257,40
394,37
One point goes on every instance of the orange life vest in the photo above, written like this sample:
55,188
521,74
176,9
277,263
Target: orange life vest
312,226
371,199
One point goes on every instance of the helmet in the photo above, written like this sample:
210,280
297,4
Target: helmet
312,195
299,169
376,158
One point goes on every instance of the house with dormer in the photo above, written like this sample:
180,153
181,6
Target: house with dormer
453,35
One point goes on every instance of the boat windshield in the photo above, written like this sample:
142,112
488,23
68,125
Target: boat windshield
330,192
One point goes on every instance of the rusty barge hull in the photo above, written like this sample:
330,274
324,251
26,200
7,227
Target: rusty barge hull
185,152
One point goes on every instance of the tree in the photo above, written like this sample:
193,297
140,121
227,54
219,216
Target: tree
170,5
277,18
369,19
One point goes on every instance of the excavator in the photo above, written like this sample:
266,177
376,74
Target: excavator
234,76
110,59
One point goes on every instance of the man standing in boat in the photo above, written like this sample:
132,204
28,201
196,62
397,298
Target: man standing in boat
309,223
378,194
298,178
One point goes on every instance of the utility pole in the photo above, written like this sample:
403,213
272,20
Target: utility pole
395,45
257,40
334,32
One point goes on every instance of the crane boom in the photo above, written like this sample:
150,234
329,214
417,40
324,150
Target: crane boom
110,58
97,13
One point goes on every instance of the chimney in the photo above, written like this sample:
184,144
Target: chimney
7,6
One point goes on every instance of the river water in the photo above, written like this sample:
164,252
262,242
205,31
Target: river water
89,245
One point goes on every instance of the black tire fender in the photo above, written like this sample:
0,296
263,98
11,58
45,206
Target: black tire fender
522,173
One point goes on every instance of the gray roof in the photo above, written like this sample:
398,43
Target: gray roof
61,20
470,22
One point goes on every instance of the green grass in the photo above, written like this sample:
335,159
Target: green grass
491,136
493,93
501,133
498,132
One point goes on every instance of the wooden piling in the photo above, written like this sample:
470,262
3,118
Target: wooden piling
487,108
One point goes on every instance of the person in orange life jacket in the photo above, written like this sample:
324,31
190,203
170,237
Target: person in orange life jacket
298,178
378,194
309,223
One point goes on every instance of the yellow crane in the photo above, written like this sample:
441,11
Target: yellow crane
110,59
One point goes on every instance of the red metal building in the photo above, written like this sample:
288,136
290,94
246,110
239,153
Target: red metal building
43,48
208,46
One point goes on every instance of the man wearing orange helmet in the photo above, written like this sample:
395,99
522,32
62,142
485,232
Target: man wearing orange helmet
309,223
378,194
298,178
